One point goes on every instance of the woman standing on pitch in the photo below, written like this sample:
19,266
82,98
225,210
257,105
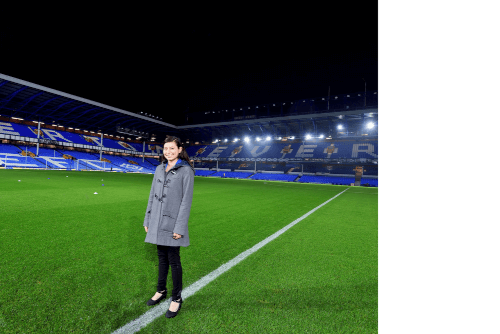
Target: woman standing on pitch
167,215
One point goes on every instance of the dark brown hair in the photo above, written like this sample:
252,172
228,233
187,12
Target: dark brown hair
183,155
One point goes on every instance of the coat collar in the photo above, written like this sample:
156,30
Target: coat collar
179,164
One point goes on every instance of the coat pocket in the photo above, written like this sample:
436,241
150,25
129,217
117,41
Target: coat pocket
167,222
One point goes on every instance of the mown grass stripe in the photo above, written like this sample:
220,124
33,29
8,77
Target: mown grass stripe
141,322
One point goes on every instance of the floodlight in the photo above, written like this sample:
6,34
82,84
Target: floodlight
236,139
321,136
225,140
340,127
268,138
257,139
370,125
292,137
247,139
308,136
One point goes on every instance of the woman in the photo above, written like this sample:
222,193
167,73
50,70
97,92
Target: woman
167,215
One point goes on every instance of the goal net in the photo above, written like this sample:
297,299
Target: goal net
83,164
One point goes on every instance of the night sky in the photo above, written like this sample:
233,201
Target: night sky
198,65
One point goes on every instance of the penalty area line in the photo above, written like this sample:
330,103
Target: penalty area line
148,317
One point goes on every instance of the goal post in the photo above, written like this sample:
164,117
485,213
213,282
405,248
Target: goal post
84,164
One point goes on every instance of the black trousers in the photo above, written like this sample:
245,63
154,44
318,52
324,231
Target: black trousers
169,256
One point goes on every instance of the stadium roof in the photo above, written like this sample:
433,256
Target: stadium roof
30,101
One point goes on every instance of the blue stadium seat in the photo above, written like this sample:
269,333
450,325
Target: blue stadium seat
274,177
232,175
201,172
326,179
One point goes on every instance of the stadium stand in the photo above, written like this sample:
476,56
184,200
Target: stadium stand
280,152
309,159
274,177
269,168
25,157
12,128
70,159
271,160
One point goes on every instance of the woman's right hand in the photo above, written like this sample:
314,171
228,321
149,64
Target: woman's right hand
146,228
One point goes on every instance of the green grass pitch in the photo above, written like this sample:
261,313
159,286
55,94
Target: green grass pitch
75,262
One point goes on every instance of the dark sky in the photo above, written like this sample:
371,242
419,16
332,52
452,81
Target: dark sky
203,65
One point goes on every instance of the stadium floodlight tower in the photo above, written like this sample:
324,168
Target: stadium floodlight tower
247,139
268,138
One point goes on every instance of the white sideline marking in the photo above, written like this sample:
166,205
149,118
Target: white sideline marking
148,317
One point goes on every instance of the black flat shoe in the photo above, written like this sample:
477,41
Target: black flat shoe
171,314
152,302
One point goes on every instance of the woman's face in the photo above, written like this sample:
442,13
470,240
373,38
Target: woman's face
171,151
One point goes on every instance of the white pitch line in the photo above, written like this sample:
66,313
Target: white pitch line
148,317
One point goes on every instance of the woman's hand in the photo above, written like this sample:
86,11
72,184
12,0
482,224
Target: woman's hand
146,228
177,236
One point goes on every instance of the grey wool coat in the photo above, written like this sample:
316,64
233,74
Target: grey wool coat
169,204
